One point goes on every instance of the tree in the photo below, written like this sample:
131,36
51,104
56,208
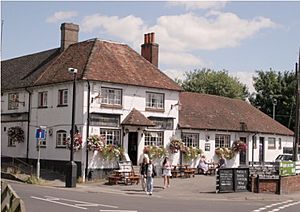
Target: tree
214,82
280,87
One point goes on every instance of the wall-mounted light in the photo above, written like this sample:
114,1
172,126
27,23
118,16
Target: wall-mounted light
96,97
178,104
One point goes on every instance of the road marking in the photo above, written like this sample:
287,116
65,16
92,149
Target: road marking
272,205
60,203
87,204
117,211
285,206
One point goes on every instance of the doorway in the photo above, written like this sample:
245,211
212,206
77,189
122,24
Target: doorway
261,149
243,153
132,147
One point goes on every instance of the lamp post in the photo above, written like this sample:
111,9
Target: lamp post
71,169
274,102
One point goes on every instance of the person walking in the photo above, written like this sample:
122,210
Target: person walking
150,170
166,172
143,173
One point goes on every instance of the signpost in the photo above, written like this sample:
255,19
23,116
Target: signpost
40,135
287,168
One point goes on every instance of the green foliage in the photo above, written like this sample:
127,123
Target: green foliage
32,180
155,152
214,82
190,153
281,86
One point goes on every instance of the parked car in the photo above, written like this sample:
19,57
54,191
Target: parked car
285,157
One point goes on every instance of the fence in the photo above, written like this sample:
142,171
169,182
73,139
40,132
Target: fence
17,165
297,166
10,201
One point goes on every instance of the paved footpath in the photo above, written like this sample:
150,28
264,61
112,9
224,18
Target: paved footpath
200,187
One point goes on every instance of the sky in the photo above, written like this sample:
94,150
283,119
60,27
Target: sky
240,37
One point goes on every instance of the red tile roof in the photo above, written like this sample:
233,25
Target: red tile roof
136,118
107,62
203,111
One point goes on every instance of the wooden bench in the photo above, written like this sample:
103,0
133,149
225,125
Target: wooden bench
175,172
189,173
114,179
134,179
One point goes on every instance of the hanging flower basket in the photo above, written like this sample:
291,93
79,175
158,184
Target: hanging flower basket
228,153
190,153
77,144
16,134
110,152
96,143
176,145
155,152
239,146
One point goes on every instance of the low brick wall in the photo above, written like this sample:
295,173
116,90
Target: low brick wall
290,184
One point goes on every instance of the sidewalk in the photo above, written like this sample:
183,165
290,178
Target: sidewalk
199,187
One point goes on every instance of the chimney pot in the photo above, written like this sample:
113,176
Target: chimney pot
152,37
150,49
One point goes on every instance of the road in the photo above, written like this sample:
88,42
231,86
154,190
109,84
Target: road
51,199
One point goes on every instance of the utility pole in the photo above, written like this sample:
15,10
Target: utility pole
296,141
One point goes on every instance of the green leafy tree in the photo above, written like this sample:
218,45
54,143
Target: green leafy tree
214,82
276,89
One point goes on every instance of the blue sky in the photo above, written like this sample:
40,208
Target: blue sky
241,37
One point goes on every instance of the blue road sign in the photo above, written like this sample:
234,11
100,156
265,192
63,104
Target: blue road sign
40,133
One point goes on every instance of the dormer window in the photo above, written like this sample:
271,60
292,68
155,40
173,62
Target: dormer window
13,101
63,97
42,99
111,97
155,101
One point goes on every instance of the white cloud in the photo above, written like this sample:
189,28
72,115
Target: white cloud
181,37
245,78
194,5
61,16
128,28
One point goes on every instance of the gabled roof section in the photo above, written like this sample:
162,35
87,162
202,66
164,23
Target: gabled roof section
107,62
203,111
23,71
136,118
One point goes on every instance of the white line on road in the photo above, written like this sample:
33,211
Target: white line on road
60,203
87,204
117,211
272,205
284,206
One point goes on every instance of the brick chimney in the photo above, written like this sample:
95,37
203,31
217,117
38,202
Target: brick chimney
69,35
150,49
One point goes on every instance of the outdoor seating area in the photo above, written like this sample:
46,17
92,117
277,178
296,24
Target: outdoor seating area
125,174
182,171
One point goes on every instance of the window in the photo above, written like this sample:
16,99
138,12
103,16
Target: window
154,100
207,147
13,101
61,137
111,96
162,123
190,139
279,143
42,99
271,143
111,136
222,140
63,97
154,138
11,142
108,120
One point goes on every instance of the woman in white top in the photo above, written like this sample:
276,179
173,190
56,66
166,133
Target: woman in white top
166,172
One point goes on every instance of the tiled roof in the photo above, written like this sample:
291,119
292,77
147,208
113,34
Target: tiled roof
23,71
202,111
107,62
136,118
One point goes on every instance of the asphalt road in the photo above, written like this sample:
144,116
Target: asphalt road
51,199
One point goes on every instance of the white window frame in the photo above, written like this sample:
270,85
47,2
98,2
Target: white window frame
190,139
63,97
111,96
222,140
61,137
13,101
112,136
271,143
155,100
154,138
42,99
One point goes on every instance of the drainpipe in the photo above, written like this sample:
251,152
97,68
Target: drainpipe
87,128
28,125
